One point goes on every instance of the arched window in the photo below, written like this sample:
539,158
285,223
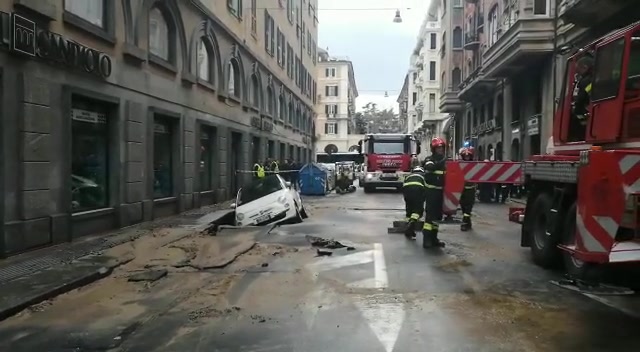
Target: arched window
457,38
204,62
296,122
159,39
456,78
255,92
291,113
233,81
270,101
282,108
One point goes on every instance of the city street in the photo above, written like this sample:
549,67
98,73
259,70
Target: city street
384,293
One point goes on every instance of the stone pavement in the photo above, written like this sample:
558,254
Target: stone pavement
39,275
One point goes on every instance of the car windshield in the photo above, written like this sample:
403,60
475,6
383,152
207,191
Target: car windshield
384,147
259,188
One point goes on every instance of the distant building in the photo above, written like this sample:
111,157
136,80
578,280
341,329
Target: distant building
335,104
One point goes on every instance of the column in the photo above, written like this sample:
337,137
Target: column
189,136
507,112
131,211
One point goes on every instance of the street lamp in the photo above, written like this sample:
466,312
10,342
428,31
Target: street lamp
386,94
397,18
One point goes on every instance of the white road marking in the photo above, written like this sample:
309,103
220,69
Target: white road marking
380,267
331,263
384,319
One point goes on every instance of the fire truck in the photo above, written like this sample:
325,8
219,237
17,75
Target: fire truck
584,194
387,159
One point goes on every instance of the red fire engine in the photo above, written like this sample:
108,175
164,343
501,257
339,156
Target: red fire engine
387,159
584,195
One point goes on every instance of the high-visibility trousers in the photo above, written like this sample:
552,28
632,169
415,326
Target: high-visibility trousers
467,200
433,208
413,202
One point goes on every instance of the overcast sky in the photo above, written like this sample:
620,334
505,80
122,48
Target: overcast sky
363,31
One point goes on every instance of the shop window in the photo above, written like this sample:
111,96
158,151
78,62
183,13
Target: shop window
162,158
92,11
159,35
207,146
90,156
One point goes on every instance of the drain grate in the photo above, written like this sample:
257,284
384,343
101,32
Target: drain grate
61,256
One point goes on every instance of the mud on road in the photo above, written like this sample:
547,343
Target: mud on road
172,270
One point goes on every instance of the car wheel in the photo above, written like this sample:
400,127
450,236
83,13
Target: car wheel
303,213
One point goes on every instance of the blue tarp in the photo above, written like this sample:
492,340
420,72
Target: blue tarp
313,180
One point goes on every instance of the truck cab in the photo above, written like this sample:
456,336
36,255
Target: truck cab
613,107
388,159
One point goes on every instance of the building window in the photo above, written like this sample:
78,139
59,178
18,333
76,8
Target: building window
457,3
310,41
92,11
540,7
331,109
270,101
414,98
290,11
282,108
204,64
159,35
90,156
254,17
233,82
255,92
331,91
331,128
162,158
207,147
290,112
330,72
279,46
269,33
456,78
235,7
290,62
432,102
457,38
415,76
493,25
432,70
433,41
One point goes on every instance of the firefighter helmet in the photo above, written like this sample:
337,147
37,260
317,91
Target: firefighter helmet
437,142
418,169
466,151
462,151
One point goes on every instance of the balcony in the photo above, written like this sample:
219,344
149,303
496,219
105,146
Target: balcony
585,13
471,41
449,102
476,87
523,43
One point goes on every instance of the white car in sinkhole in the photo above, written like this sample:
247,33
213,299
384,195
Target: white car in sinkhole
268,200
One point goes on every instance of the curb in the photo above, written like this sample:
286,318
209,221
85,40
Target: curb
7,312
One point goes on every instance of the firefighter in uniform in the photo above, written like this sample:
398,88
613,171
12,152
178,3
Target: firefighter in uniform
435,170
273,166
258,171
413,191
468,197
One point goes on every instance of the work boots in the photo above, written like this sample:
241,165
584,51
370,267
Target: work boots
410,232
430,239
466,223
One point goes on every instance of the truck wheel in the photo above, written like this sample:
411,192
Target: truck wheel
544,248
576,268
368,189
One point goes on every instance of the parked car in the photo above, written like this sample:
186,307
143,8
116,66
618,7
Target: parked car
268,200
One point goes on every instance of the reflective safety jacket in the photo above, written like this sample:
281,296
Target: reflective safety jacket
414,180
274,166
435,171
258,170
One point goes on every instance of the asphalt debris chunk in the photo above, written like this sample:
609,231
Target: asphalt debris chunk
324,243
322,253
148,275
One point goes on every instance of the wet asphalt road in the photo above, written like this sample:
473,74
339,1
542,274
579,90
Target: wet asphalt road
480,293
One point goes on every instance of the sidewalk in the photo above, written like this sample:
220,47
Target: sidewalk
39,275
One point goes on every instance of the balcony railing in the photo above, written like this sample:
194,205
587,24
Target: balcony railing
471,41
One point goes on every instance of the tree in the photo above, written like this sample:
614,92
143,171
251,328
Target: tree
373,120
360,123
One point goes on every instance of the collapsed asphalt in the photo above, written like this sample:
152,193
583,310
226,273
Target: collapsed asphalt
375,292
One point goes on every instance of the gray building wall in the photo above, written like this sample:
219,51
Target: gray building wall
35,128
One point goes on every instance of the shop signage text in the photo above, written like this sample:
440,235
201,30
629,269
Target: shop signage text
533,126
28,39
484,127
257,123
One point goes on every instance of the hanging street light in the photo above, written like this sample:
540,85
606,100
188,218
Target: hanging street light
397,18
386,94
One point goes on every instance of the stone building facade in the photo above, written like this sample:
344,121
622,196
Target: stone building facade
119,112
